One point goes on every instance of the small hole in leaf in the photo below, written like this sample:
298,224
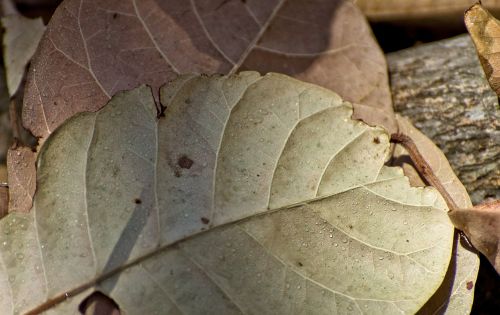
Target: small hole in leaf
205,220
137,201
376,140
300,264
115,15
98,303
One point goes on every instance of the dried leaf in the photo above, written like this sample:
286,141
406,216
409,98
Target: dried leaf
4,201
481,224
251,195
92,49
453,296
20,40
22,178
484,30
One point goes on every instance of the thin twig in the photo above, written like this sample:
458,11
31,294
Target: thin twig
423,167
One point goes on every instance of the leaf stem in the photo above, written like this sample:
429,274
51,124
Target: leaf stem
423,167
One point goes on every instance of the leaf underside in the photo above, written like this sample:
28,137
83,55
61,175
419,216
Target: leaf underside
252,195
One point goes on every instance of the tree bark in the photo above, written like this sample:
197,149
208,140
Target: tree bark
442,89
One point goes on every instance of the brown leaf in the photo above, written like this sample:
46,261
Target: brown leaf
92,49
485,32
22,178
4,201
481,224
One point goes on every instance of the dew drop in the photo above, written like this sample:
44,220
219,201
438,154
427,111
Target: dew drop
381,258
331,235
344,241
336,245
405,222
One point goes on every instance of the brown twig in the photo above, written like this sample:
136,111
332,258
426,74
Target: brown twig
423,167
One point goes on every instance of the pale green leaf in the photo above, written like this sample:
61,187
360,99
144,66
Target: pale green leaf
252,195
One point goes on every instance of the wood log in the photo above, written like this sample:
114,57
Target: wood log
442,89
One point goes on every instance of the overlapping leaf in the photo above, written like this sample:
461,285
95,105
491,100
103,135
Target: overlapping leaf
455,295
92,49
261,181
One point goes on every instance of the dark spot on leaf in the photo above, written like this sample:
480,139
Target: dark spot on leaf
407,241
205,220
171,272
350,226
185,162
376,140
137,201
115,15
300,264
188,101
177,173
470,285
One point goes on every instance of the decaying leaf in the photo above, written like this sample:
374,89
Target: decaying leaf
92,49
482,225
22,178
453,296
485,32
20,40
251,195
4,201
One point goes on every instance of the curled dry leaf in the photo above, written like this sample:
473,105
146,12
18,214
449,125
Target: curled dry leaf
265,181
20,40
453,296
482,225
485,32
